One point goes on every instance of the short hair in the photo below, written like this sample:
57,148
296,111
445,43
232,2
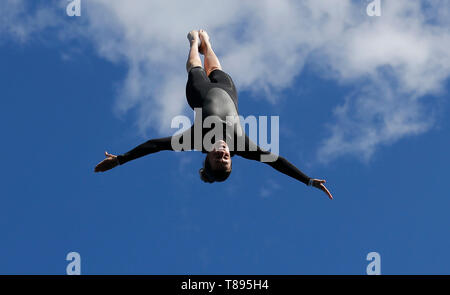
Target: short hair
207,174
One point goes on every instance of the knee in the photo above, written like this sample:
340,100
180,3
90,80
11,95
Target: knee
191,65
212,69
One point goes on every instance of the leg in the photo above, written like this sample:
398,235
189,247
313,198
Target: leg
211,61
194,57
197,86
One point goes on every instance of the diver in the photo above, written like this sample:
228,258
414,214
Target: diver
212,91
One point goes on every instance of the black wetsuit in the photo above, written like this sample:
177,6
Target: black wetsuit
216,95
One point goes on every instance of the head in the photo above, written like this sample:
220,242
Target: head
217,164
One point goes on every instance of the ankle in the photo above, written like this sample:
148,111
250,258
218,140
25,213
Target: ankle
194,42
207,44
205,47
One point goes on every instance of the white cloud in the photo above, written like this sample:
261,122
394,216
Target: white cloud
398,58
402,56
376,114
18,22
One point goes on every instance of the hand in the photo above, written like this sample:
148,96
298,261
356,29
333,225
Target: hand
108,163
318,183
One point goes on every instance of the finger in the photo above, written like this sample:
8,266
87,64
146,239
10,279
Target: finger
322,187
319,181
327,192
109,156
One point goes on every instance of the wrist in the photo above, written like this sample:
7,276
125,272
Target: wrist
310,182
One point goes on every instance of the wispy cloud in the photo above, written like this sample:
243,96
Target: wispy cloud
17,21
393,61
376,114
268,188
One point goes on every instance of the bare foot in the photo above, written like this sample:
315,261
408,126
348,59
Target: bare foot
204,38
193,37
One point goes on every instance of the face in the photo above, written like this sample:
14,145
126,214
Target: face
220,156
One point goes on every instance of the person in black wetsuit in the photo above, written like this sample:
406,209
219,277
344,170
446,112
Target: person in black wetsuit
212,94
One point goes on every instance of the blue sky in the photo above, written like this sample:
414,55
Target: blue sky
66,98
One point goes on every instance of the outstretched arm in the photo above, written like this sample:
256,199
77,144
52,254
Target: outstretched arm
284,166
149,147
254,152
280,164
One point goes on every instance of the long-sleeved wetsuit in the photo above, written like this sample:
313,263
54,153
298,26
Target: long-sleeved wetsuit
216,95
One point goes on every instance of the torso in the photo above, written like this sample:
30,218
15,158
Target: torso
221,109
